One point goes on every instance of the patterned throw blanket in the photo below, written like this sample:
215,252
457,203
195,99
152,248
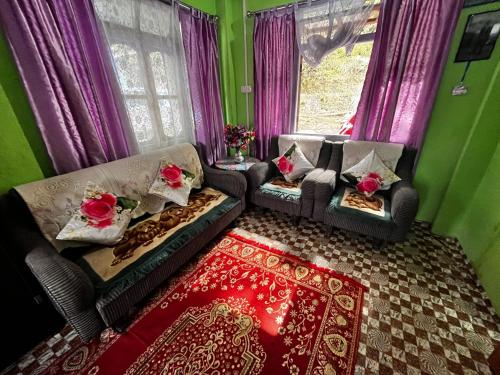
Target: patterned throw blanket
53,201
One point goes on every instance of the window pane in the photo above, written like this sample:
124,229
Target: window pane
128,69
138,111
329,93
170,117
159,66
154,18
120,12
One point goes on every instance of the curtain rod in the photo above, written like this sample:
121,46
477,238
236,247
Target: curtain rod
299,3
280,7
188,7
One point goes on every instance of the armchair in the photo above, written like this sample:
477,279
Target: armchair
299,205
402,199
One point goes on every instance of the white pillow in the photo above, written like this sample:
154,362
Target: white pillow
102,217
371,163
293,164
172,183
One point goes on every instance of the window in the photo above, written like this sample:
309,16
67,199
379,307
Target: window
146,52
329,93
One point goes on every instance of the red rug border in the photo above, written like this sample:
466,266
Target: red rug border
297,259
363,289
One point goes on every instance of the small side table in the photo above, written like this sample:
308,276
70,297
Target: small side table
231,164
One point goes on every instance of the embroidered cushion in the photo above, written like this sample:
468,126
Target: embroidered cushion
173,183
293,164
101,218
371,165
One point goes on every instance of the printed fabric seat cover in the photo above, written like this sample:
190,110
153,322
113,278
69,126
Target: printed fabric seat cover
278,194
348,202
149,241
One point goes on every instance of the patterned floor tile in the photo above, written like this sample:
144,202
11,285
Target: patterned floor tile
425,311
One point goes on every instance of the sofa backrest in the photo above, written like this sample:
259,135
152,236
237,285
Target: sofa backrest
53,201
404,167
324,153
406,163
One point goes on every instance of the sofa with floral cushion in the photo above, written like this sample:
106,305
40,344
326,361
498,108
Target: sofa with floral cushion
363,205
98,283
269,187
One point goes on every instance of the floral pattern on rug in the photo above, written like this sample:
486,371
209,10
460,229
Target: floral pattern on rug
243,308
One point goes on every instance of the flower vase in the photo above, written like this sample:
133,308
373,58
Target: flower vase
238,156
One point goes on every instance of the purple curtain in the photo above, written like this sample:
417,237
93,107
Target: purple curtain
199,34
274,57
409,53
65,69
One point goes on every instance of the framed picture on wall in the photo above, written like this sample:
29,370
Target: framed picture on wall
471,3
480,36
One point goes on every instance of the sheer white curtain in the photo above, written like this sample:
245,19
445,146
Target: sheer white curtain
145,42
322,26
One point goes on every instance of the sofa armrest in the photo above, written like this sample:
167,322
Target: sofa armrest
229,182
258,174
69,289
307,192
325,186
404,204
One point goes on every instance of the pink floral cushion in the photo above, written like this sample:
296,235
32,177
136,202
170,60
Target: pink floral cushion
370,174
293,164
101,218
172,183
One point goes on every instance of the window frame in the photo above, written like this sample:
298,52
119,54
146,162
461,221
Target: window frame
128,37
363,38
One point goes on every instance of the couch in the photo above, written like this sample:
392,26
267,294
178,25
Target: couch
89,306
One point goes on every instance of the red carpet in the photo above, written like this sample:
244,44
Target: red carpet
243,308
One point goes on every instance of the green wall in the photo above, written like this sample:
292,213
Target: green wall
478,228
208,6
451,121
22,151
232,51
458,174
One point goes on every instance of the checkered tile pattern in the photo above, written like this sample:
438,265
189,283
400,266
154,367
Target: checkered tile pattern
425,311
